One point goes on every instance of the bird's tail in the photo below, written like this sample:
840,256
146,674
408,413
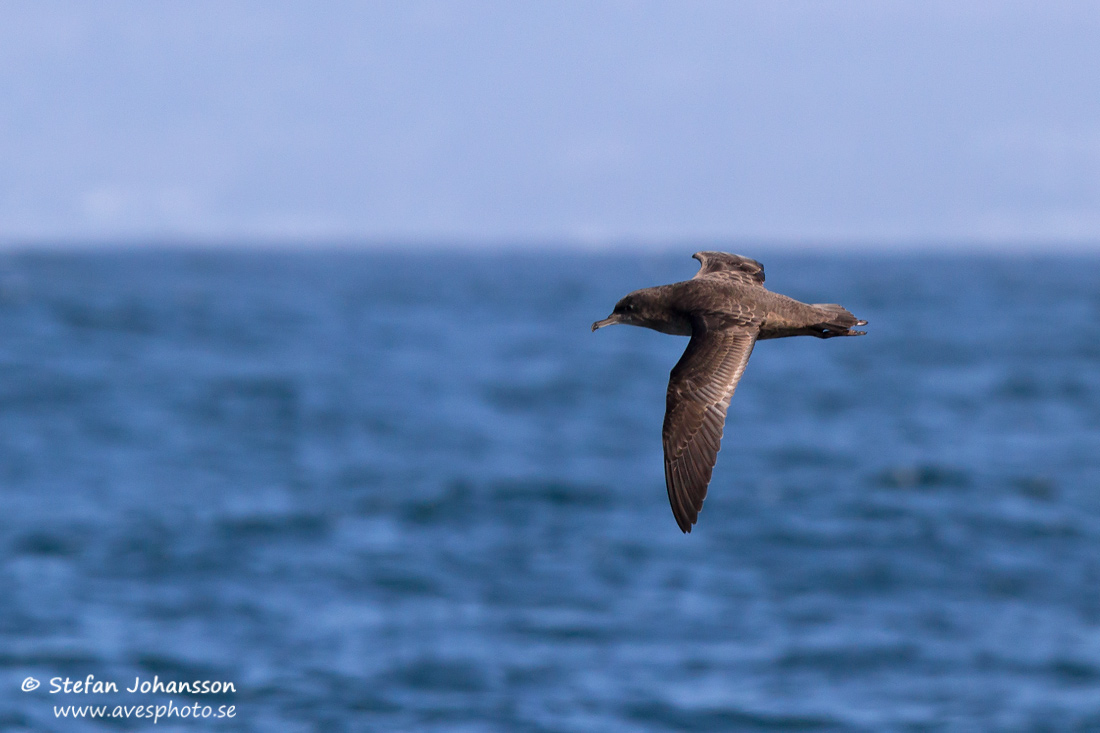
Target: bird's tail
838,321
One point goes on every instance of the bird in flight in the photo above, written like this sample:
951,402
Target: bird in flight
725,309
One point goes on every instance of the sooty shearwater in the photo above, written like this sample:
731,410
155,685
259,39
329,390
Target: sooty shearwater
725,309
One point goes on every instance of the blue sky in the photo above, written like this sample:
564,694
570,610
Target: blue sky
590,122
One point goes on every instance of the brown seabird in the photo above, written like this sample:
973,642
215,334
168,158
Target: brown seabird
725,309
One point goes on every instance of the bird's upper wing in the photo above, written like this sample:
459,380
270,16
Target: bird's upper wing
735,267
699,391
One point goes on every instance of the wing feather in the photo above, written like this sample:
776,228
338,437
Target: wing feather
734,267
699,392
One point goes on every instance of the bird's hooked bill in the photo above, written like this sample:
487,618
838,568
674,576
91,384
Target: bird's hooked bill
609,321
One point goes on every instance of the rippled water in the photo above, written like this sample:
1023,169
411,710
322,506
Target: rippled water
383,492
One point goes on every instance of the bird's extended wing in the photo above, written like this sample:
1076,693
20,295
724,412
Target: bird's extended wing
699,391
734,267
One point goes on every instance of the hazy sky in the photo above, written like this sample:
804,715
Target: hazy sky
580,121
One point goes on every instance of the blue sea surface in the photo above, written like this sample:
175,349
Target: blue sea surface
413,492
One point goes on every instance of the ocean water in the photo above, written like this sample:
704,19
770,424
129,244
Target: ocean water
394,492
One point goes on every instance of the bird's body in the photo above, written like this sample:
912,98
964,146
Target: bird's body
725,309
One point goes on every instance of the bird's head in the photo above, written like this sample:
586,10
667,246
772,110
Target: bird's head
636,309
